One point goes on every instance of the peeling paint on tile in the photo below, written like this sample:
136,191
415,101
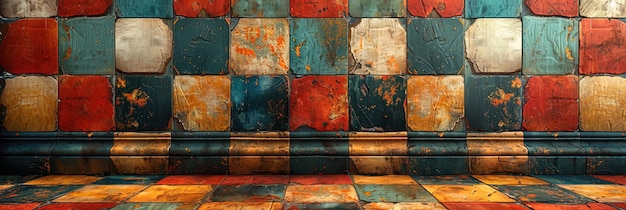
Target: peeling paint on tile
318,46
436,8
70,8
318,9
567,8
602,104
260,46
550,45
30,104
601,50
494,45
435,103
260,103
377,103
603,8
495,101
85,103
551,103
202,103
319,103
41,55
143,103
378,46
28,8
142,45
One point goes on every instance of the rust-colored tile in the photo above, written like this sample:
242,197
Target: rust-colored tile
404,206
142,45
601,104
435,103
509,180
600,193
600,51
200,8
318,9
567,8
65,206
85,103
241,206
484,206
69,8
319,102
618,179
375,52
255,179
64,180
192,179
467,193
551,103
101,193
436,8
30,102
321,194
41,55
386,179
552,206
618,205
21,206
173,193
260,46
317,179
202,103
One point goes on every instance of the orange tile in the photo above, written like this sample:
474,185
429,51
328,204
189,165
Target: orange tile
387,179
2,187
600,193
321,194
64,180
101,193
192,179
403,206
484,206
509,180
21,206
552,206
65,206
467,193
241,206
173,193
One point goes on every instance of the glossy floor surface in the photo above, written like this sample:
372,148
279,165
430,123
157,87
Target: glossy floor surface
312,192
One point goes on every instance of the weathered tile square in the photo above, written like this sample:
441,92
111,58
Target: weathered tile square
100,193
550,45
241,206
404,205
41,35
344,206
436,8
600,51
61,206
318,9
495,101
318,46
319,103
201,46
260,46
259,103
202,103
172,193
143,103
381,180
86,103
393,193
29,103
64,180
129,180
320,180
567,8
435,103
446,180
3,187
601,193
144,8
16,179
602,8
375,52
142,45
201,8
260,8
149,206
321,194
617,179
596,112
377,103
21,206
28,8
435,46
27,194
377,8
572,179
541,193
484,206
509,180
492,8
542,165
551,103
248,193
255,180
192,179
467,193
494,45
86,45
70,8
586,206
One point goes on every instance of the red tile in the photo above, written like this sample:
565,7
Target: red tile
445,8
551,103
484,206
618,179
85,103
30,46
319,102
69,8
318,9
325,179
567,8
601,46
255,179
64,206
192,8
21,206
192,179
587,206
618,205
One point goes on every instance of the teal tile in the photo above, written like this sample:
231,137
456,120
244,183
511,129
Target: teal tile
259,103
144,8
571,179
201,46
435,46
249,193
557,165
129,179
377,103
495,102
550,45
541,194
438,165
377,8
318,46
608,165
260,8
28,193
318,164
393,193
143,103
87,45
492,8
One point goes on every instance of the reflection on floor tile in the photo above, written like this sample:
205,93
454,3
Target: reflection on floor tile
173,193
453,179
509,180
101,193
393,193
28,194
387,179
571,179
321,194
403,206
467,193
600,193
484,206
315,179
63,180
255,179
241,206
618,179
551,206
65,206
344,206
542,194
2,187
249,193
192,179
144,179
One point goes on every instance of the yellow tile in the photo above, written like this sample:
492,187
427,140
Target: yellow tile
2,187
509,180
467,193
241,206
321,194
404,206
387,179
101,193
173,193
600,193
64,180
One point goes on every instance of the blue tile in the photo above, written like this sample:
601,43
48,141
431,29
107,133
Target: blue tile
571,179
249,193
492,8
27,193
86,45
130,179
144,8
201,46
393,193
435,46
259,103
318,46
377,103
550,45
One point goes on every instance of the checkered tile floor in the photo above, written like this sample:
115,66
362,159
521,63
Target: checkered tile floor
313,192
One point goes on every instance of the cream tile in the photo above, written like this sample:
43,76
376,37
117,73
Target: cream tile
600,193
